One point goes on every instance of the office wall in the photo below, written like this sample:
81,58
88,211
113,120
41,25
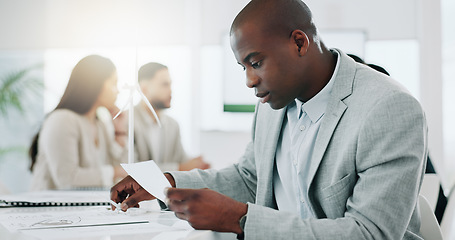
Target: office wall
85,23
82,23
382,20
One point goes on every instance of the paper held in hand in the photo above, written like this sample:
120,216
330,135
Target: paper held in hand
149,176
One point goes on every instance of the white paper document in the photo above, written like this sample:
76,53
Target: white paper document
89,222
149,176
93,216
142,231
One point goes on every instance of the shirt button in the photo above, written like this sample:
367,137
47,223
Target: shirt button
302,127
302,200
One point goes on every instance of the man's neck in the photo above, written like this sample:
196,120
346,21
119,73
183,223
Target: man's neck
322,73
150,113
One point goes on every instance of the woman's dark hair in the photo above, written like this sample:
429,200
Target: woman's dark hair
84,86
149,70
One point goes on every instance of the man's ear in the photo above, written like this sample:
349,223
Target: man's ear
143,86
301,41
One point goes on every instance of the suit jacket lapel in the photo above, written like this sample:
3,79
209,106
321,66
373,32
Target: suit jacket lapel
267,148
325,134
342,88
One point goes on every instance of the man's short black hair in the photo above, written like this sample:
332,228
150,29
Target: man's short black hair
149,70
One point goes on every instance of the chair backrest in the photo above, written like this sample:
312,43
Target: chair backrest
430,189
448,219
429,227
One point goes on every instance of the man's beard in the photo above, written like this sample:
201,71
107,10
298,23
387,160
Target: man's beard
159,105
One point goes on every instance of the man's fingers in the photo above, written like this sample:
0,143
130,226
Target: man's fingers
129,193
180,194
180,199
116,194
181,216
121,189
178,206
135,198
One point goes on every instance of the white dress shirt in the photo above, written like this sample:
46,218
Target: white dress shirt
295,148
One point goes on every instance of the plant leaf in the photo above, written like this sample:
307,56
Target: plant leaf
15,85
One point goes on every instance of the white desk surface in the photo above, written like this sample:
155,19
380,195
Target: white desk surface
108,232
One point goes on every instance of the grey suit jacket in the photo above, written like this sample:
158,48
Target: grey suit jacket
172,152
365,172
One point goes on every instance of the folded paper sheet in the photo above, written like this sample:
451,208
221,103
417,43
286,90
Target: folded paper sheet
149,176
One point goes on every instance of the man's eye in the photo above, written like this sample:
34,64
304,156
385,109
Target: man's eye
256,65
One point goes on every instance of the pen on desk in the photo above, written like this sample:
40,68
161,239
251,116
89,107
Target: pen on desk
116,205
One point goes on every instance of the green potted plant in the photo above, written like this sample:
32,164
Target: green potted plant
17,88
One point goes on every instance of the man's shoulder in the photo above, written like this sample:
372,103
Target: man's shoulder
373,85
141,116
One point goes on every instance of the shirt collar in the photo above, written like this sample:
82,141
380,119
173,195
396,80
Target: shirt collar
315,107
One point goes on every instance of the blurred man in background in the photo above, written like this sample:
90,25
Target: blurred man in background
163,145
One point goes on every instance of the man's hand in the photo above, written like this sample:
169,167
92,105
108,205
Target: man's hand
206,209
120,126
129,193
197,162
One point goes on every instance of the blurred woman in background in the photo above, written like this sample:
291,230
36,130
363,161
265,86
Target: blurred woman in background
74,149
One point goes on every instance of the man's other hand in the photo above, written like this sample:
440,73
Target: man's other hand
197,162
206,209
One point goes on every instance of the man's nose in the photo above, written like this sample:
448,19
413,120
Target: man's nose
252,80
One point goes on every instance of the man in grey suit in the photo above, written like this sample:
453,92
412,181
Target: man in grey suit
337,149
